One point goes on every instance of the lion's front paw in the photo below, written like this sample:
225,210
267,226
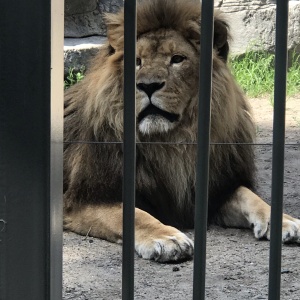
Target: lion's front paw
261,228
166,248
290,229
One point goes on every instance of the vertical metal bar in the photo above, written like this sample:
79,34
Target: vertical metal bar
129,149
27,182
278,148
56,155
205,82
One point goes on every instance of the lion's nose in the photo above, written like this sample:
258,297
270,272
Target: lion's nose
150,88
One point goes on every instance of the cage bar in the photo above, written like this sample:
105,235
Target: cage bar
201,201
56,149
129,149
31,150
278,148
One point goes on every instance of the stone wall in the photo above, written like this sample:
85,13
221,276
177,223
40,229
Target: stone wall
84,18
252,26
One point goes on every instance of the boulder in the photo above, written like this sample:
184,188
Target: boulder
84,18
79,51
253,25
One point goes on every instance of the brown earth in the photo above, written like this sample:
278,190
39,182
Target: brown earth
237,263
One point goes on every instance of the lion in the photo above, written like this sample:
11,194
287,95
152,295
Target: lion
167,66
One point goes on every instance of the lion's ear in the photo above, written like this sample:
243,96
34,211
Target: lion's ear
221,37
115,30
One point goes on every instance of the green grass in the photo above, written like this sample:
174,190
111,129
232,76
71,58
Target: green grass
73,77
255,73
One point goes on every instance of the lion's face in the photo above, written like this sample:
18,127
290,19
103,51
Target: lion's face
166,80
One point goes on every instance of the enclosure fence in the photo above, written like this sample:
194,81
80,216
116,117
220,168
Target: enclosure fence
31,103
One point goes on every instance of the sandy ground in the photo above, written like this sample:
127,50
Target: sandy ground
237,264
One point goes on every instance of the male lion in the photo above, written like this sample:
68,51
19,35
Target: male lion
166,110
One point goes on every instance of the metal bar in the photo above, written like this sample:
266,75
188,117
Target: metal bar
129,149
201,201
56,154
278,148
27,267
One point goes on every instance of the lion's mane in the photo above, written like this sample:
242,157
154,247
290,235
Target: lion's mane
165,173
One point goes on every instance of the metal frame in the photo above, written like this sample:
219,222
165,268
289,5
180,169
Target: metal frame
282,12
129,149
56,148
31,93
31,114
203,150
201,197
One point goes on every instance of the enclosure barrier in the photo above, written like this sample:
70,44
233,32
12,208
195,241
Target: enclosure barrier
31,86
203,149
282,13
129,149
31,119
202,170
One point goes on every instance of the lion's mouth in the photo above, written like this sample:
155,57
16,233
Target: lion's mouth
154,110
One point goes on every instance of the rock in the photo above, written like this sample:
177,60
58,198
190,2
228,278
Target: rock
78,52
76,7
252,25
85,18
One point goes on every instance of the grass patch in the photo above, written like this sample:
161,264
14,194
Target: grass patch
73,77
255,73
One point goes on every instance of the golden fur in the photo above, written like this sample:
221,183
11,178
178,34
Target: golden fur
168,50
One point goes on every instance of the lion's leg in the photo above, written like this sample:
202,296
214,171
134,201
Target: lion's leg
153,240
248,210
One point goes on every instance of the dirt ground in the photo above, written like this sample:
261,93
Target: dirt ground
237,264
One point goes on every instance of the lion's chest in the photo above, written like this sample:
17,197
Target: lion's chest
165,179
165,163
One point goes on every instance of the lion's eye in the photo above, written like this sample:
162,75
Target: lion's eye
138,62
176,59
